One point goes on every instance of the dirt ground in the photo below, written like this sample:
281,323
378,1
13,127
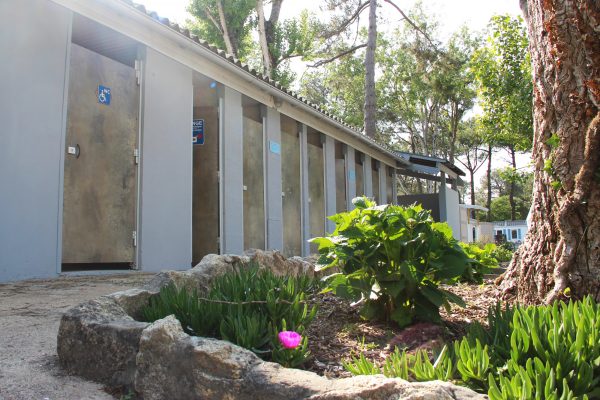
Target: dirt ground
30,313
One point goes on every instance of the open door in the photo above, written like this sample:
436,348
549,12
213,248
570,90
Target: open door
100,173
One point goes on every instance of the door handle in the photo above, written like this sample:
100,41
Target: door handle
74,150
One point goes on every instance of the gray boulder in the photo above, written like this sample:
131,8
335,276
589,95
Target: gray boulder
99,340
173,365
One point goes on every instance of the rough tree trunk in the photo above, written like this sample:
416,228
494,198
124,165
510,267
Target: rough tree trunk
472,184
370,99
231,49
488,203
562,248
262,38
513,185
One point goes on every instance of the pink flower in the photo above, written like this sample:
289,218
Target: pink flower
289,339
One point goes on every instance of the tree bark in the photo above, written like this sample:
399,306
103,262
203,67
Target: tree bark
262,38
370,99
488,203
562,247
513,185
226,34
455,116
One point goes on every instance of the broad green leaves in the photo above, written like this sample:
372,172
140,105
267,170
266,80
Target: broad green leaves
503,72
390,259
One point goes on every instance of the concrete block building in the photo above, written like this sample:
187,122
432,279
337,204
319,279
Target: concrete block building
127,143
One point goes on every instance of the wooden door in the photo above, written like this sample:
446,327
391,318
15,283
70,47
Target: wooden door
100,182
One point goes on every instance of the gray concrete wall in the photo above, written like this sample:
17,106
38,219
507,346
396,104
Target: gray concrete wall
350,176
273,189
452,212
383,170
165,237
304,191
232,172
34,40
394,187
330,188
368,176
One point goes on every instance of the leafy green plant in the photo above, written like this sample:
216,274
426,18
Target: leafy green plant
289,357
483,261
503,252
247,308
390,260
536,352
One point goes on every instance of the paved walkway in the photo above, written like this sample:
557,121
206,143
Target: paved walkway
30,313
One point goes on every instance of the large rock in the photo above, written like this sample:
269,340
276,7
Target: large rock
280,265
173,365
213,265
99,340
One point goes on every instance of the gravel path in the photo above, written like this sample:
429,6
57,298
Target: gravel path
30,313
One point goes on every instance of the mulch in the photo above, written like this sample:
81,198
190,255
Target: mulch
338,332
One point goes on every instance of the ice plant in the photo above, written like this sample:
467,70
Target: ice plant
289,339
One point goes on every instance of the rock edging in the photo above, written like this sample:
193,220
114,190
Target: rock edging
101,340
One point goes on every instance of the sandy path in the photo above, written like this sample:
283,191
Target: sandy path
30,313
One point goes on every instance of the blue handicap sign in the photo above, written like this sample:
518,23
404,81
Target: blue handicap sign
103,95
198,131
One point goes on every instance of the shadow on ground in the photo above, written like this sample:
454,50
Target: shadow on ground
30,313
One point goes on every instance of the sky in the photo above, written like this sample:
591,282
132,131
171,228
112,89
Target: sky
451,14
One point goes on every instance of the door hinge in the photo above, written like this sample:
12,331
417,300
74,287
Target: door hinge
134,237
138,72
136,156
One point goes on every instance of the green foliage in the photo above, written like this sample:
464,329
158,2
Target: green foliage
502,253
553,141
391,260
240,23
247,308
500,208
483,261
501,186
536,352
503,71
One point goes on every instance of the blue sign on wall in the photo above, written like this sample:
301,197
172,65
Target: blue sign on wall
103,95
198,131
274,147
351,176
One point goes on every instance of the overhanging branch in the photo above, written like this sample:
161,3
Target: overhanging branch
342,54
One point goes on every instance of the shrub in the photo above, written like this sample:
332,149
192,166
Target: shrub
248,308
390,260
543,352
483,261
503,252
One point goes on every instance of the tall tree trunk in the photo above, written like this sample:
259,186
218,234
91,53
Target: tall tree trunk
472,174
488,203
225,31
262,38
370,99
562,247
454,120
513,185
